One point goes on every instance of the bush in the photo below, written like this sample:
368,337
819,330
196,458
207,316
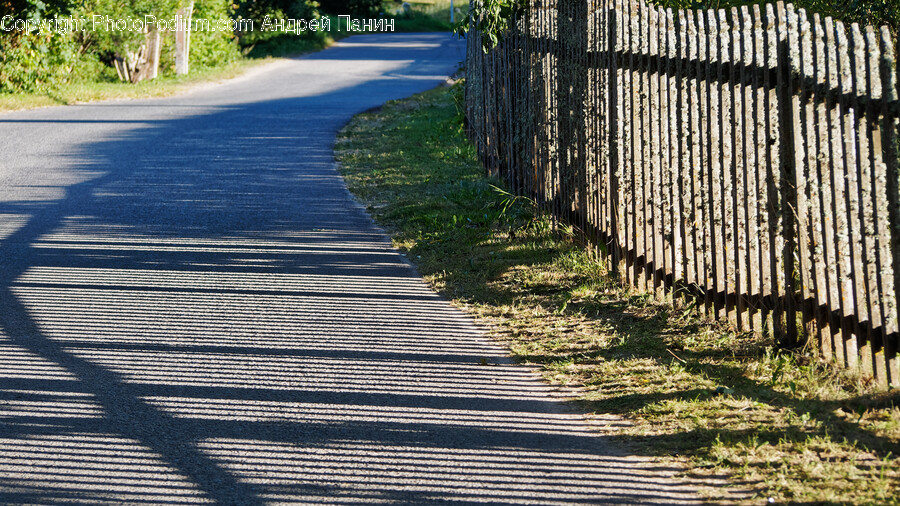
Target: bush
258,10
36,62
212,48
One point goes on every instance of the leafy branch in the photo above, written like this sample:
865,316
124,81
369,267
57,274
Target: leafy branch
492,19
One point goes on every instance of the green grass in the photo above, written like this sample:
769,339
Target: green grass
87,91
698,395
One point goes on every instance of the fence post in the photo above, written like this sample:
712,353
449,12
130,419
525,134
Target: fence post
183,38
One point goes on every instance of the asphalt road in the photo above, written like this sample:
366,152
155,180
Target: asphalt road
194,309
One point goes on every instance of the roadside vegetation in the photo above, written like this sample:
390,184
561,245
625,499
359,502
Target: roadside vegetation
783,425
492,17
426,15
79,91
46,67
863,12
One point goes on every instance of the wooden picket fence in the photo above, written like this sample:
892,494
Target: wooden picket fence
746,159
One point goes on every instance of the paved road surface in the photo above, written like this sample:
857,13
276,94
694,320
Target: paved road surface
193,309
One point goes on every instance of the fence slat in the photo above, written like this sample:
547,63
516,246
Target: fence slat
743,192
693,149
890,126
631,161
739,186
680,129
762,150
666,239
862,289
714,174
832,195
824,254
706,252
613,39
807,182
772,170
845,180
653,188
873,247
643,165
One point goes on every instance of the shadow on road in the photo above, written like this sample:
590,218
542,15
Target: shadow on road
209,317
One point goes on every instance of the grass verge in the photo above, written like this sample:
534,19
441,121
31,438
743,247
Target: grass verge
782,425
80,92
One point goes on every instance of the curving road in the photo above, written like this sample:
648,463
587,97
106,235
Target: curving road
193,309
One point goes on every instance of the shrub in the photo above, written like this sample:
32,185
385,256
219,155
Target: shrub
258,10
211,48
36,61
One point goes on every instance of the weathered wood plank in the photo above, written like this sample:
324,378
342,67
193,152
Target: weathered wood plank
860,198
706,252
652,120
773,170
834,197
890,128
763,166
682,129
642,165
725,183
873,216
822,227
749,241
807,182
714,175
673,141
630,90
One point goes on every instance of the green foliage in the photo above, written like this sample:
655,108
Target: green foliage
424,17
458,94
492,18
102,45
108,42
36,62
418,22
287,44
33,9
213,48
863,12
355,8
258,9
41,62
259,42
